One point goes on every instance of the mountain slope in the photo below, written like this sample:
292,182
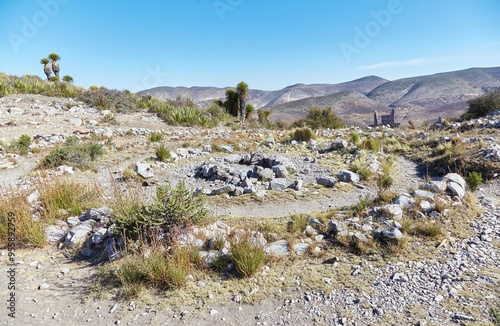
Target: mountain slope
265,99
436,90
354,107
422,98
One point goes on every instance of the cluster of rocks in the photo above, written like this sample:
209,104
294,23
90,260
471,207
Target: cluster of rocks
91,232
237,174
491,120
384,222
431,282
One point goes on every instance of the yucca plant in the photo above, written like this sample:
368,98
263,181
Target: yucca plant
242,89
46,68
68,79
55,65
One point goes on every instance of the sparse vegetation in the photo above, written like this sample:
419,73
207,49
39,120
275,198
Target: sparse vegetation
302,134
247,257
63,197
28,232
482,105
156,137
162,154
172,208
23,144
73,153
474,180
321,118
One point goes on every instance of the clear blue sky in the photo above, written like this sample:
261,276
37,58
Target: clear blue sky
267,43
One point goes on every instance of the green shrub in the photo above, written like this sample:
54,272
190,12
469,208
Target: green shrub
297,224
69,195
322,118
162,154
302,134
162,269
247,257
482,105
23,144
28,232
109,118
372,144
171,208
355,138
73,153
156,137
474,180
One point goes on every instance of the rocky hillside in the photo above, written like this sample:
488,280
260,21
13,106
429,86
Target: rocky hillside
350,228
420,99
267,99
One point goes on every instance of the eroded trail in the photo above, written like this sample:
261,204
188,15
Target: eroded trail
406,177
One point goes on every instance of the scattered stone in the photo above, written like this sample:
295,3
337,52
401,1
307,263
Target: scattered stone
300,248
456,189
278,184
297,185
455,177
278,248
144,170
77,235
339,144
326,181
348,176
55,233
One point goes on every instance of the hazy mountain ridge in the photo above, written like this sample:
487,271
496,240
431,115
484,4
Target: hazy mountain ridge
420,98
266,99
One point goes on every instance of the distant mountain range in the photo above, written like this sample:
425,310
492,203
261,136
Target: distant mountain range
420,99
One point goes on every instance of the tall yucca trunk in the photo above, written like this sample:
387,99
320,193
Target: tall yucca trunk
55,68
242,103
47,71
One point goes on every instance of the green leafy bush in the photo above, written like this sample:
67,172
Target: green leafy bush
172,208
23,144
474,180
302,134
73,153
482,105
162,154
321,118
155,137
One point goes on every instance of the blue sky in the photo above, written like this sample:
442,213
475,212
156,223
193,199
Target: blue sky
269,44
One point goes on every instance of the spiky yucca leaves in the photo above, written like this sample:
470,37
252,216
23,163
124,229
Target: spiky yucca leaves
242,89
46,67
67,79
55,65
172,208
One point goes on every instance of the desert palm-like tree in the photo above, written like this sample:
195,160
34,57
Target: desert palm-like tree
55,65
46,68
231,103
242,90
68,79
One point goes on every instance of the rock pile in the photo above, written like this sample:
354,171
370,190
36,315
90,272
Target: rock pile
237,174
92,232
384,222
